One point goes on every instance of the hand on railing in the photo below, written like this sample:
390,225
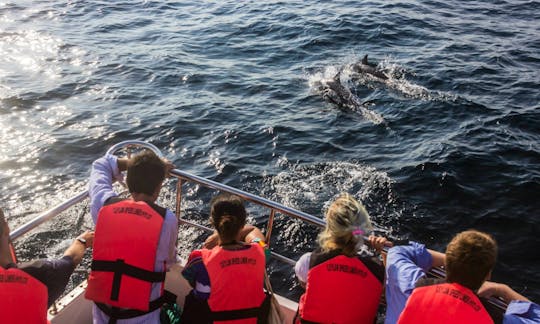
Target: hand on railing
379,242
493,289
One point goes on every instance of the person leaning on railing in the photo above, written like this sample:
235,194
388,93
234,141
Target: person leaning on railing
29,288
341,286
233,261
469,259
135,240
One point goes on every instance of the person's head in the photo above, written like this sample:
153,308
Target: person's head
228,216
145,174
470,257
346,222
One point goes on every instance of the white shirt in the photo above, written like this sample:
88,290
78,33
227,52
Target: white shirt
104,173
301,268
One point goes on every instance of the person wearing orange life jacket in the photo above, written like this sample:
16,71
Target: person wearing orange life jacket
469,260
233,261
135,240
18,291
29,288
335,276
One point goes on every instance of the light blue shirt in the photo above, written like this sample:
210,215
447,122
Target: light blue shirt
522,312
407,263
104,173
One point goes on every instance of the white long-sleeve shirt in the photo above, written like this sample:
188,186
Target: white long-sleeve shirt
104,173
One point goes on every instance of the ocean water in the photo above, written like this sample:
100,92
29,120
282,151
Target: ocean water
231,91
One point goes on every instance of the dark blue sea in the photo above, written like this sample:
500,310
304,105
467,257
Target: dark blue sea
230,90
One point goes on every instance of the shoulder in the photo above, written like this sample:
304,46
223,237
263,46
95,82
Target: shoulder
374,266
413,254
105,160
10,266
301,268
107,163
519,311
113,200
194,256
194,264
318,257
170,218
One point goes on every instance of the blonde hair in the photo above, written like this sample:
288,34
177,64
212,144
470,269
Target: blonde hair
344,216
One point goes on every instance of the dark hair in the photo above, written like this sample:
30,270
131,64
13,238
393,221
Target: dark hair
228,215
145,173
470,256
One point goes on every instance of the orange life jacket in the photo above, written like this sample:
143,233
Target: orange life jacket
23,298
236,281
444,303
340,289
124,254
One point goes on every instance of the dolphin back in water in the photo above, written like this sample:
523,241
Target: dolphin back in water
367,68
335,92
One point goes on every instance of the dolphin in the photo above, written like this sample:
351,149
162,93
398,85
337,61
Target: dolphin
335,92
367,68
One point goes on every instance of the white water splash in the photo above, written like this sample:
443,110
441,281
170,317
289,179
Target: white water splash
301,186
398,82
312,188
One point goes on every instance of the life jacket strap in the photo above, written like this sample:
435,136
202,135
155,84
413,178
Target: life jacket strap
116,313
120,268
235,314
260,312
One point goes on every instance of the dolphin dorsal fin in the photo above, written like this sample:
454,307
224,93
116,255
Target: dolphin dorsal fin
364,60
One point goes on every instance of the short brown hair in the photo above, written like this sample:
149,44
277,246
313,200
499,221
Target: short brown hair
228,215
145,172
470,256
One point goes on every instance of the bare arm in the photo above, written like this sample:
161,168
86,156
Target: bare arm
77,248
5,254
247,234
378,243
250,233
489,289
437,258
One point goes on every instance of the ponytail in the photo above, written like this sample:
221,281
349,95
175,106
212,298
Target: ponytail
228,216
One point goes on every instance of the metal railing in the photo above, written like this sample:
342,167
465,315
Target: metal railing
186,176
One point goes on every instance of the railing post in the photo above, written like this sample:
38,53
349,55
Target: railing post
178,197
270,226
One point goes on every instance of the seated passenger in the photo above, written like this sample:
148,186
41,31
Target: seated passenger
29,288
469,260
135,240
341,286
227,275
